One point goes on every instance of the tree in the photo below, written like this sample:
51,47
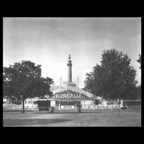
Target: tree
139,92
139,87
23,80
139,60
114,77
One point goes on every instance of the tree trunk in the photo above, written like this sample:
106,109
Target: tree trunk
118,105
23,110
118,109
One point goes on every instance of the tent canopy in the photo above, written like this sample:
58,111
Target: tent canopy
71,93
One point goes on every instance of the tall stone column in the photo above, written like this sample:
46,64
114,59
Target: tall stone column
69,69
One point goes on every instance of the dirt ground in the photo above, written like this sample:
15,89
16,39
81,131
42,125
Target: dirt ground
71,118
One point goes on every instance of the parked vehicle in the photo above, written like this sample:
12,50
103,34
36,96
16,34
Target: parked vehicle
124,107
45,105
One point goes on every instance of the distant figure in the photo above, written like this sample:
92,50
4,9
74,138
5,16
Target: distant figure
79,107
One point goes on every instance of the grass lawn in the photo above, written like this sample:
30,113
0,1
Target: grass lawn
65,118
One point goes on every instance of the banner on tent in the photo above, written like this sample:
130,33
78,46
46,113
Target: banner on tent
67,96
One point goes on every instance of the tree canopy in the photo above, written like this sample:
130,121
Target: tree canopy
139,60
114,77
24,79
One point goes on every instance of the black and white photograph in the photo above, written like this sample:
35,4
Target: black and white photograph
71,71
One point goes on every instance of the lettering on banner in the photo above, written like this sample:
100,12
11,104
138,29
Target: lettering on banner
64,96
67,96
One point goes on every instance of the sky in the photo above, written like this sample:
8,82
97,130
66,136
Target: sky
49,40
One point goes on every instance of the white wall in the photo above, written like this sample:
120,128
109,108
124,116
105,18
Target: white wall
53,103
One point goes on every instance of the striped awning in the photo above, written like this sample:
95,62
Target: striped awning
71,93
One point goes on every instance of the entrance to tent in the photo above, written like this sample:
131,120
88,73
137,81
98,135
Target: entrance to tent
67,104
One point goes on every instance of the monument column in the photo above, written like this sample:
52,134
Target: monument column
69,69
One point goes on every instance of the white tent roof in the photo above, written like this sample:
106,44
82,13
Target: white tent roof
76,90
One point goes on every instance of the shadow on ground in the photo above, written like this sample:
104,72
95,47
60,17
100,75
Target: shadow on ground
68,112
31,122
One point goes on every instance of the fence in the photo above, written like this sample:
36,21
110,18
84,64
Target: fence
15,106
132,103
11,106
124,103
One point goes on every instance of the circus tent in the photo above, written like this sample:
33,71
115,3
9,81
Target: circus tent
69,96
71,93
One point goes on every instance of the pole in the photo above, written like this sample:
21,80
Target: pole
118,105
111,106
60,82
32,104
13,105
60,104
93,103
118,109
102,101
23,103
77,81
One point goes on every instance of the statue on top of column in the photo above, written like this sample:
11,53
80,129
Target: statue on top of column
69,57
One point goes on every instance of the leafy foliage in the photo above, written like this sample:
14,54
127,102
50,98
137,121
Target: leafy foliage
139,60
139,92
113,77
24,78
